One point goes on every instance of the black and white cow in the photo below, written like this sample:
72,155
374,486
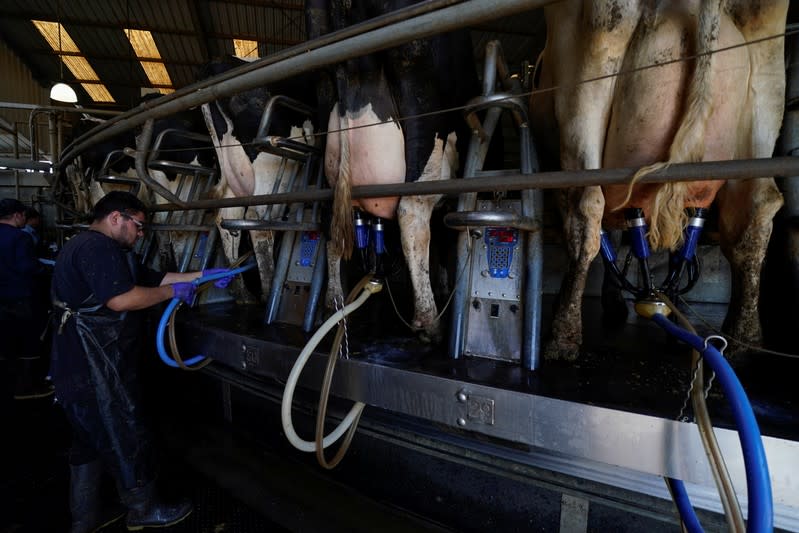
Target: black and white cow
245,171
392,93
88,188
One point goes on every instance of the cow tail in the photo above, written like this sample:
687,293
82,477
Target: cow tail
221,185
341,229
667,219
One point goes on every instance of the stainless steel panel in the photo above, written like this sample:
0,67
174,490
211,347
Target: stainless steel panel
606,445
494,313
494,329
293,301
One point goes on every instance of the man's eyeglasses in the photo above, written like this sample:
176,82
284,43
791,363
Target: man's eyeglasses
139,225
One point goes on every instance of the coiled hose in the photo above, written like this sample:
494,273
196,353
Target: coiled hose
758,484
368,287
167,321
327,381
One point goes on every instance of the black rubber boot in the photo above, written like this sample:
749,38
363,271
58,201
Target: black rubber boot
85,502
145,509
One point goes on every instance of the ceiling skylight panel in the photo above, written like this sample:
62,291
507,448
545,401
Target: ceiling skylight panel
80,68
246,49
97,92
144,47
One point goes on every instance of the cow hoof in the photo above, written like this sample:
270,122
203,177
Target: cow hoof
565,351
429,336
749,341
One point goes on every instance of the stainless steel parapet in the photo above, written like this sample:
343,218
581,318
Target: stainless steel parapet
627,444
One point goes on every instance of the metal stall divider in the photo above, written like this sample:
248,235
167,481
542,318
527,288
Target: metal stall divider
497,301
300,265
200,244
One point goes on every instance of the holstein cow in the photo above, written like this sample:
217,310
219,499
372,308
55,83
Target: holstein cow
82,173
387,92
87,189
713,106
245,171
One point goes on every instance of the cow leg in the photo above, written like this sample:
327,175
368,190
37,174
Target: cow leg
230,245
78,189
413,214
744,239
263,244
591,42
582,240
746,210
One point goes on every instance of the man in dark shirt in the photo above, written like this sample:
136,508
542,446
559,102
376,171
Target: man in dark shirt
98,287
18,266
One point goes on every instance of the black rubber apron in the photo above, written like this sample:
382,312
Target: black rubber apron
106,413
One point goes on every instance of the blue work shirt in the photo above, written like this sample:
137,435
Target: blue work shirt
18,264
31,231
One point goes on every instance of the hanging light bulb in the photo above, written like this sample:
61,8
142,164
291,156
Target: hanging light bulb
61,92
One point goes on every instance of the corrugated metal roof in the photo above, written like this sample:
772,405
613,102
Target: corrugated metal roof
187,32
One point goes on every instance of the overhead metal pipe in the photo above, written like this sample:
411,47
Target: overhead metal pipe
500,182
26,164
34,107
407,25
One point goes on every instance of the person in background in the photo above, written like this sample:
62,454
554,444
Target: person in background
32,222
41,287
98,290
22,378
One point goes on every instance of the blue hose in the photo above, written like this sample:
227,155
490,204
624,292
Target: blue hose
758,483
162,324
683,503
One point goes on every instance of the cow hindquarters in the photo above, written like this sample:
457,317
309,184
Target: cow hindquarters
582,228
746,210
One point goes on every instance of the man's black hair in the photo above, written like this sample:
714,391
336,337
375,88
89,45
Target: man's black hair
11,206
121,201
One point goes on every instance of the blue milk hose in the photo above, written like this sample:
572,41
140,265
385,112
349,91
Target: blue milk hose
758,483
159,337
